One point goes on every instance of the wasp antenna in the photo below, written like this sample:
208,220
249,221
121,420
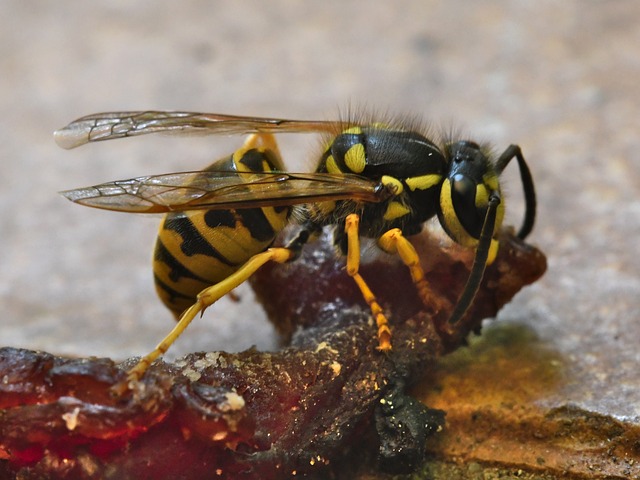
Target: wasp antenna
479,262
513,151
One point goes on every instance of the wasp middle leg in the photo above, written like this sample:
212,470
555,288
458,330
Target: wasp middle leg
353,264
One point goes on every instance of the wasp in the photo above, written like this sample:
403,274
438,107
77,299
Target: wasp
380,180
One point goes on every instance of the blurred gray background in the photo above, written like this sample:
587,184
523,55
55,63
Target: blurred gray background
562,79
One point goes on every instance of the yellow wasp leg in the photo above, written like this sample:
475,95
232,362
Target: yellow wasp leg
353,264
393,242
206,298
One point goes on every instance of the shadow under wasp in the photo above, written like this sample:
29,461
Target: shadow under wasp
381,180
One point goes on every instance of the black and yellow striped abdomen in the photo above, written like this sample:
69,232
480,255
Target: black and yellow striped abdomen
199,248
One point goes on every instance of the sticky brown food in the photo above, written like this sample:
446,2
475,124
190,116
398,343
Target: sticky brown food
255,414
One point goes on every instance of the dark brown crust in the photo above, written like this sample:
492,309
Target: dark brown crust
251,414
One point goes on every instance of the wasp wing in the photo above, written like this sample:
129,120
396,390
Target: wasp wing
226,189
107,126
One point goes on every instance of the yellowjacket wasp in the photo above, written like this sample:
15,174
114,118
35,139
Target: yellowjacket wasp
378,180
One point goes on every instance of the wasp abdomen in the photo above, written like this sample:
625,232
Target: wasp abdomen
199,248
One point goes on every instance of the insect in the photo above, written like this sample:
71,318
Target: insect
373,179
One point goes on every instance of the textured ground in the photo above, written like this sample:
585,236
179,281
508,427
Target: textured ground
559,79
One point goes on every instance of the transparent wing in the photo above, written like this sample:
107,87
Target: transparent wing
225,189
107,126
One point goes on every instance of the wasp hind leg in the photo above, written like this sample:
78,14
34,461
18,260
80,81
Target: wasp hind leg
353,264
209,296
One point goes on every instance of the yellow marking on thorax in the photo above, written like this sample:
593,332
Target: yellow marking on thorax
395,210
355,158
394,183
423,182
353,131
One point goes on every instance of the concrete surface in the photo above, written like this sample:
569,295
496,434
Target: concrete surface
562,79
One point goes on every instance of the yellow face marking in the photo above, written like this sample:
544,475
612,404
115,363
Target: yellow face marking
491,181
392,182
482,196
423,182
355,158
331,165
454,227
395,210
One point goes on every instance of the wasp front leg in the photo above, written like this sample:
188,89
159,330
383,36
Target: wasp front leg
395,243
353,265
